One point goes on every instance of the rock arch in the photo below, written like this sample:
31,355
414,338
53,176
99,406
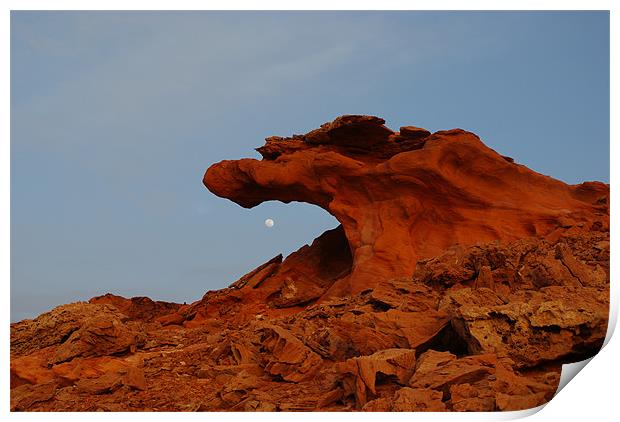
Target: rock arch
407,195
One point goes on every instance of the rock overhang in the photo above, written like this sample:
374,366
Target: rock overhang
402,196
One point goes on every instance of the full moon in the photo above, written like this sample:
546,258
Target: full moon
269,222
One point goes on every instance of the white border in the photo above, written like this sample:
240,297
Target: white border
592,396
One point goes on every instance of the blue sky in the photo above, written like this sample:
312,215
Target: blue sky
116,116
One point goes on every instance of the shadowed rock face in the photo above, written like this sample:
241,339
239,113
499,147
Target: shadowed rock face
408,195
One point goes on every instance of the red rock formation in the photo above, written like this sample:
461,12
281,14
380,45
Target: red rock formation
458,281
139,308
407,195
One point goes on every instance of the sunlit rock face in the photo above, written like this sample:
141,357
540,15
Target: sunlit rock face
407,195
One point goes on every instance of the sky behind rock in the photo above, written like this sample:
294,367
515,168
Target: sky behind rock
116,116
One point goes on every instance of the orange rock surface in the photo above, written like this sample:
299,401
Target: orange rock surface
458,280
408,195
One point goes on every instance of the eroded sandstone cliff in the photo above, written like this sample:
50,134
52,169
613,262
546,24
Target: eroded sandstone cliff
458,280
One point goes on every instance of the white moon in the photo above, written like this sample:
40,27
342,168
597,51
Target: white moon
269,223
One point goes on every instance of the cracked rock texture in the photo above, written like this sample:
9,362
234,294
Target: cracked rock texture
458,280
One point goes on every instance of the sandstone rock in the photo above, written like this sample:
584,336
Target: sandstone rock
418,400
56,326
138,308
485,278
232,351
408,400
398,314
252,404
414,132
307,273
578,270
518,392
97,336
259,274
297,292
382,404
172,318
352,131
398,363
130,376
441,370
237,388
401,208
289,358
536,326
506,402
25,396
416,327
471,398
106,383
300,279
134,378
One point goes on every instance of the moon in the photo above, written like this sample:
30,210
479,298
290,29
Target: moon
269,223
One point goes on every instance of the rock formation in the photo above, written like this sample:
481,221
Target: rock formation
458,280
405,196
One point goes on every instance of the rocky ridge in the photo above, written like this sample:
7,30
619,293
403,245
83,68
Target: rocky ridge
458,280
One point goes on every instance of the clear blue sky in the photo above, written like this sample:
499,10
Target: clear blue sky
116,116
